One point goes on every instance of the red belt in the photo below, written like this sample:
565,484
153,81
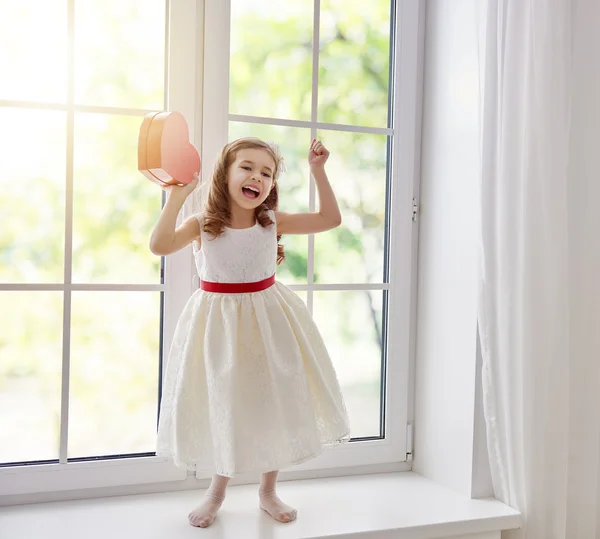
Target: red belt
237,288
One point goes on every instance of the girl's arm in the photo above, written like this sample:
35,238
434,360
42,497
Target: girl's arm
328,216
165,238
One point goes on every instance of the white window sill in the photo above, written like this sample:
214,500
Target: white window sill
393,505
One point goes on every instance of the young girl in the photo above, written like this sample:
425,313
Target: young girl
249,386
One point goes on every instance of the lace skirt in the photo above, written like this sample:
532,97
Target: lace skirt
249,385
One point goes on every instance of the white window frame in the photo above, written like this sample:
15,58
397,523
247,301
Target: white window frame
403,235
197,83
39,481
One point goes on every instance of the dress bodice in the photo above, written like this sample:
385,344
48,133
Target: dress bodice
238,255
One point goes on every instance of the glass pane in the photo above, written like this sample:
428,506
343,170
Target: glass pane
354,62
293,188
114,373
350,323
119,53
33,50
353,252
30,375
115,206
302,295
32,204
271,58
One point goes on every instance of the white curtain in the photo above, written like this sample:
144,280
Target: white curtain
539,312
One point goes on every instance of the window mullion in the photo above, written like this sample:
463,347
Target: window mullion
215,91
313,133
323,126
182,60
68,258
406,119
315,66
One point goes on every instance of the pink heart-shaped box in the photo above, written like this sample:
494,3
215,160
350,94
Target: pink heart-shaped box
165,154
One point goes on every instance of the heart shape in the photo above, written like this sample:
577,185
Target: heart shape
165,154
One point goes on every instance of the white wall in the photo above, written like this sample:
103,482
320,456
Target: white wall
446,352
481,480
584,268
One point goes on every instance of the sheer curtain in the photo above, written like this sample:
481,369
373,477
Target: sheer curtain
539,312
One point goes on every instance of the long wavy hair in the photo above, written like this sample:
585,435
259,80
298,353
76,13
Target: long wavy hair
217,214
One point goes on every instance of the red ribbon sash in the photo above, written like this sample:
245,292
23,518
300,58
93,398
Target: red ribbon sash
237,288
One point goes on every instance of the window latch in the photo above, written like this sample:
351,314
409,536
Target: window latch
415,210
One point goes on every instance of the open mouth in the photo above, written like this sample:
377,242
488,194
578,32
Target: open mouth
249,191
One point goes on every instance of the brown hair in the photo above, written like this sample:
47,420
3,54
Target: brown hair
217,214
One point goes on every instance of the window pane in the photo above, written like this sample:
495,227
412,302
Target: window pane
302,295
32,204
30,375
350,323
114,373
354,62
293,188
271,58
119,53
115,206
354,252
33,50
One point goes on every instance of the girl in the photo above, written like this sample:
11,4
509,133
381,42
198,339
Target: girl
249,386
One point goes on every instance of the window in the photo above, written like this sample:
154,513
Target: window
281,89
331,69
81,295
88,313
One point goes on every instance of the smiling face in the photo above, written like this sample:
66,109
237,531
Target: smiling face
250,178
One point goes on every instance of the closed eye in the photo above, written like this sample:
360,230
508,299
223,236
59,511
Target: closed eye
246,168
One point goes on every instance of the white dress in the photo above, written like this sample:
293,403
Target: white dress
249,385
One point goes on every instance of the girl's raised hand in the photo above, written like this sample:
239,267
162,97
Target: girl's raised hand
183,190
318,154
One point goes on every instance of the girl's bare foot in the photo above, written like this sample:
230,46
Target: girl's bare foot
204,515
270,502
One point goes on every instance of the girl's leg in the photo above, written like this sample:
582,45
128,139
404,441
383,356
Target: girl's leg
205,513
269,501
